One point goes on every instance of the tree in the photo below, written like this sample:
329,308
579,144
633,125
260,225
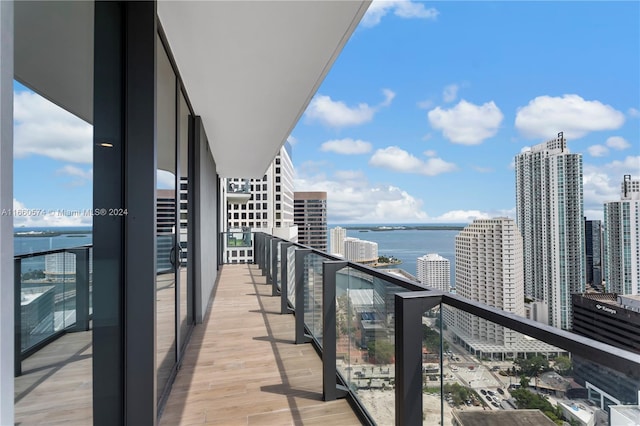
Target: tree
532,366
431,340
527,399
563,365
382,350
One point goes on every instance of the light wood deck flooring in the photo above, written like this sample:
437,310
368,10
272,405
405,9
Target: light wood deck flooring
242,368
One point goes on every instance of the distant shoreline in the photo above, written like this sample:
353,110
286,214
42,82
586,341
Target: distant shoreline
40,234
407,228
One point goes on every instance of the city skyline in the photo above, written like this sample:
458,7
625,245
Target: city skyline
406,130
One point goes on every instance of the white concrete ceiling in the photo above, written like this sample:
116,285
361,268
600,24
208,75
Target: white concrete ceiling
250,67
53,52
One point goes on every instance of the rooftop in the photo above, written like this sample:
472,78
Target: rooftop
500,418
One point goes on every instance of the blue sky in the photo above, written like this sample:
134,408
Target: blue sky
421,115
423,112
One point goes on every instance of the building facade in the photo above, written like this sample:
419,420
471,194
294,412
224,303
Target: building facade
337,236
361,251
622,240
613,319
549,206
434,271
268,208
489,269
310,215
593,253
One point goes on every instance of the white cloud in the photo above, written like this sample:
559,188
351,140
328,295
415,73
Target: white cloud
80,176
292,140
601,183
450,93
346,146
399,160
353,199
401,8
338,114
466,123
618,143
430,153
633,112
545,116
462,216
598,151
482,169
31,217
426,104
388,97
43,128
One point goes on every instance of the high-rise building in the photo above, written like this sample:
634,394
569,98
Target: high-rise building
336,240
361,251
549,214
622,239
267,207
434,271
613,319
310,214
593,252
489,269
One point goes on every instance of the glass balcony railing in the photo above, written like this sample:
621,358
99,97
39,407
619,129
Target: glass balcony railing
53,296
236,246
409,355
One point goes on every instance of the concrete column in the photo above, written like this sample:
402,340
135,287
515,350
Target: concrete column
6,220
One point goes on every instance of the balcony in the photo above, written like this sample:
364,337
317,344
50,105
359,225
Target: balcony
238,192
302,337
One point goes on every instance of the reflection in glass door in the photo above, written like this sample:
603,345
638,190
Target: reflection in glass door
167,254
184,281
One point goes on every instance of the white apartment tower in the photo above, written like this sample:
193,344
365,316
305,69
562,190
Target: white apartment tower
622,240
361,251
489,269
434,271
549,214
337,236
269,207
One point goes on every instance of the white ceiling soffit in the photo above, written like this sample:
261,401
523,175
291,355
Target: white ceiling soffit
251,67
53,52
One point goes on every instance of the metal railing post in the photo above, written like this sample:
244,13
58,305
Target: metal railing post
267,258
17,315
82,288
409,308
273,270
284,278
301,337
255,248
260,251
330,388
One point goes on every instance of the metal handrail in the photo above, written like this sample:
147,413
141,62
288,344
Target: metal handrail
422,296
